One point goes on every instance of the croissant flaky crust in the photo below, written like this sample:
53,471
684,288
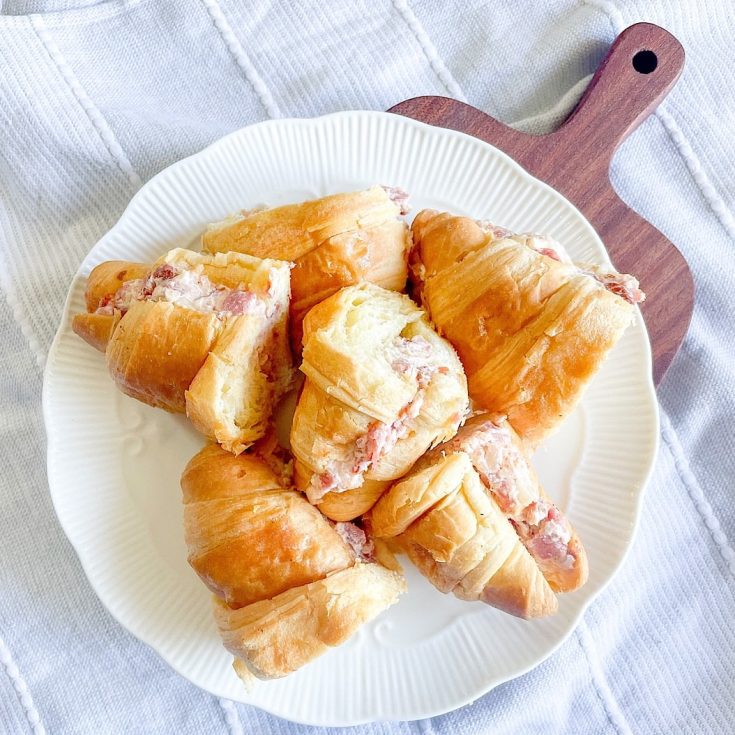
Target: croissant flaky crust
275,637
288,584
530,326
249,536
381,388
201,334
460,540
481,486
335,241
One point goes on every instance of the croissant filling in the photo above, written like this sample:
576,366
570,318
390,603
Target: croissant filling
503,469
500,465
399,197
621,284
546,534
188,288
355,537
407,356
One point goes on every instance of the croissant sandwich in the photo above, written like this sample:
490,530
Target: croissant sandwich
381,388
288,583
530,326
473,518
201,334
334,242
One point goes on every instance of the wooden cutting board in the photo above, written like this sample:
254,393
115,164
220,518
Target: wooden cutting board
642,65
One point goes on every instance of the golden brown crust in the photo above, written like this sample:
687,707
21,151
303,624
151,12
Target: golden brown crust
517,587
250,538
499,458
515,474
460,540
95,329
290,231
275,637
414,495
157,349
574,578
352,503
554,358
226,372
361,393
287,585
377,255
333,242
530,330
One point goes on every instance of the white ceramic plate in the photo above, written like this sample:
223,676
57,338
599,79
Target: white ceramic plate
114,464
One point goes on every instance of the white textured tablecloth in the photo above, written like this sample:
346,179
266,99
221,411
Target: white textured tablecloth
95,98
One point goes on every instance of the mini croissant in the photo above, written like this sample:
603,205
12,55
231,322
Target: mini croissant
288,584
473,517
201,334
336,241
530,326
381,388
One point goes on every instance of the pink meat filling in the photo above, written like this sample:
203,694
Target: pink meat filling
497,461
496,232
621,284
380,438
410,354
548,247
399,197
357,540
546,534
541,526
550,253
188,288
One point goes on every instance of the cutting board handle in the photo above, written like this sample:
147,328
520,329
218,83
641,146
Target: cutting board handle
641,66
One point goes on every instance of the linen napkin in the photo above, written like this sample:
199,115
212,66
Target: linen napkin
95,98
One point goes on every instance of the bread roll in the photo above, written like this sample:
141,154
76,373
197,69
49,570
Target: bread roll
460,540
381,388
333,242
500,459
530,326
288,583
201,334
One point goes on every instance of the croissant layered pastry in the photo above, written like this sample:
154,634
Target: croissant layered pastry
530,326
288,584
202,334
296,546
474,519
333,242
381,388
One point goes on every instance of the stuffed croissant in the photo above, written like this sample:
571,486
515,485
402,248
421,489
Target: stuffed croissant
201,334
381,388
474,519
288,584
530,326
334,242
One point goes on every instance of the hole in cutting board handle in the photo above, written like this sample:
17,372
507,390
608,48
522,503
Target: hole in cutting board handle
644,62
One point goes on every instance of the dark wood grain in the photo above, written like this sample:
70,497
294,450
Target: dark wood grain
575,160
